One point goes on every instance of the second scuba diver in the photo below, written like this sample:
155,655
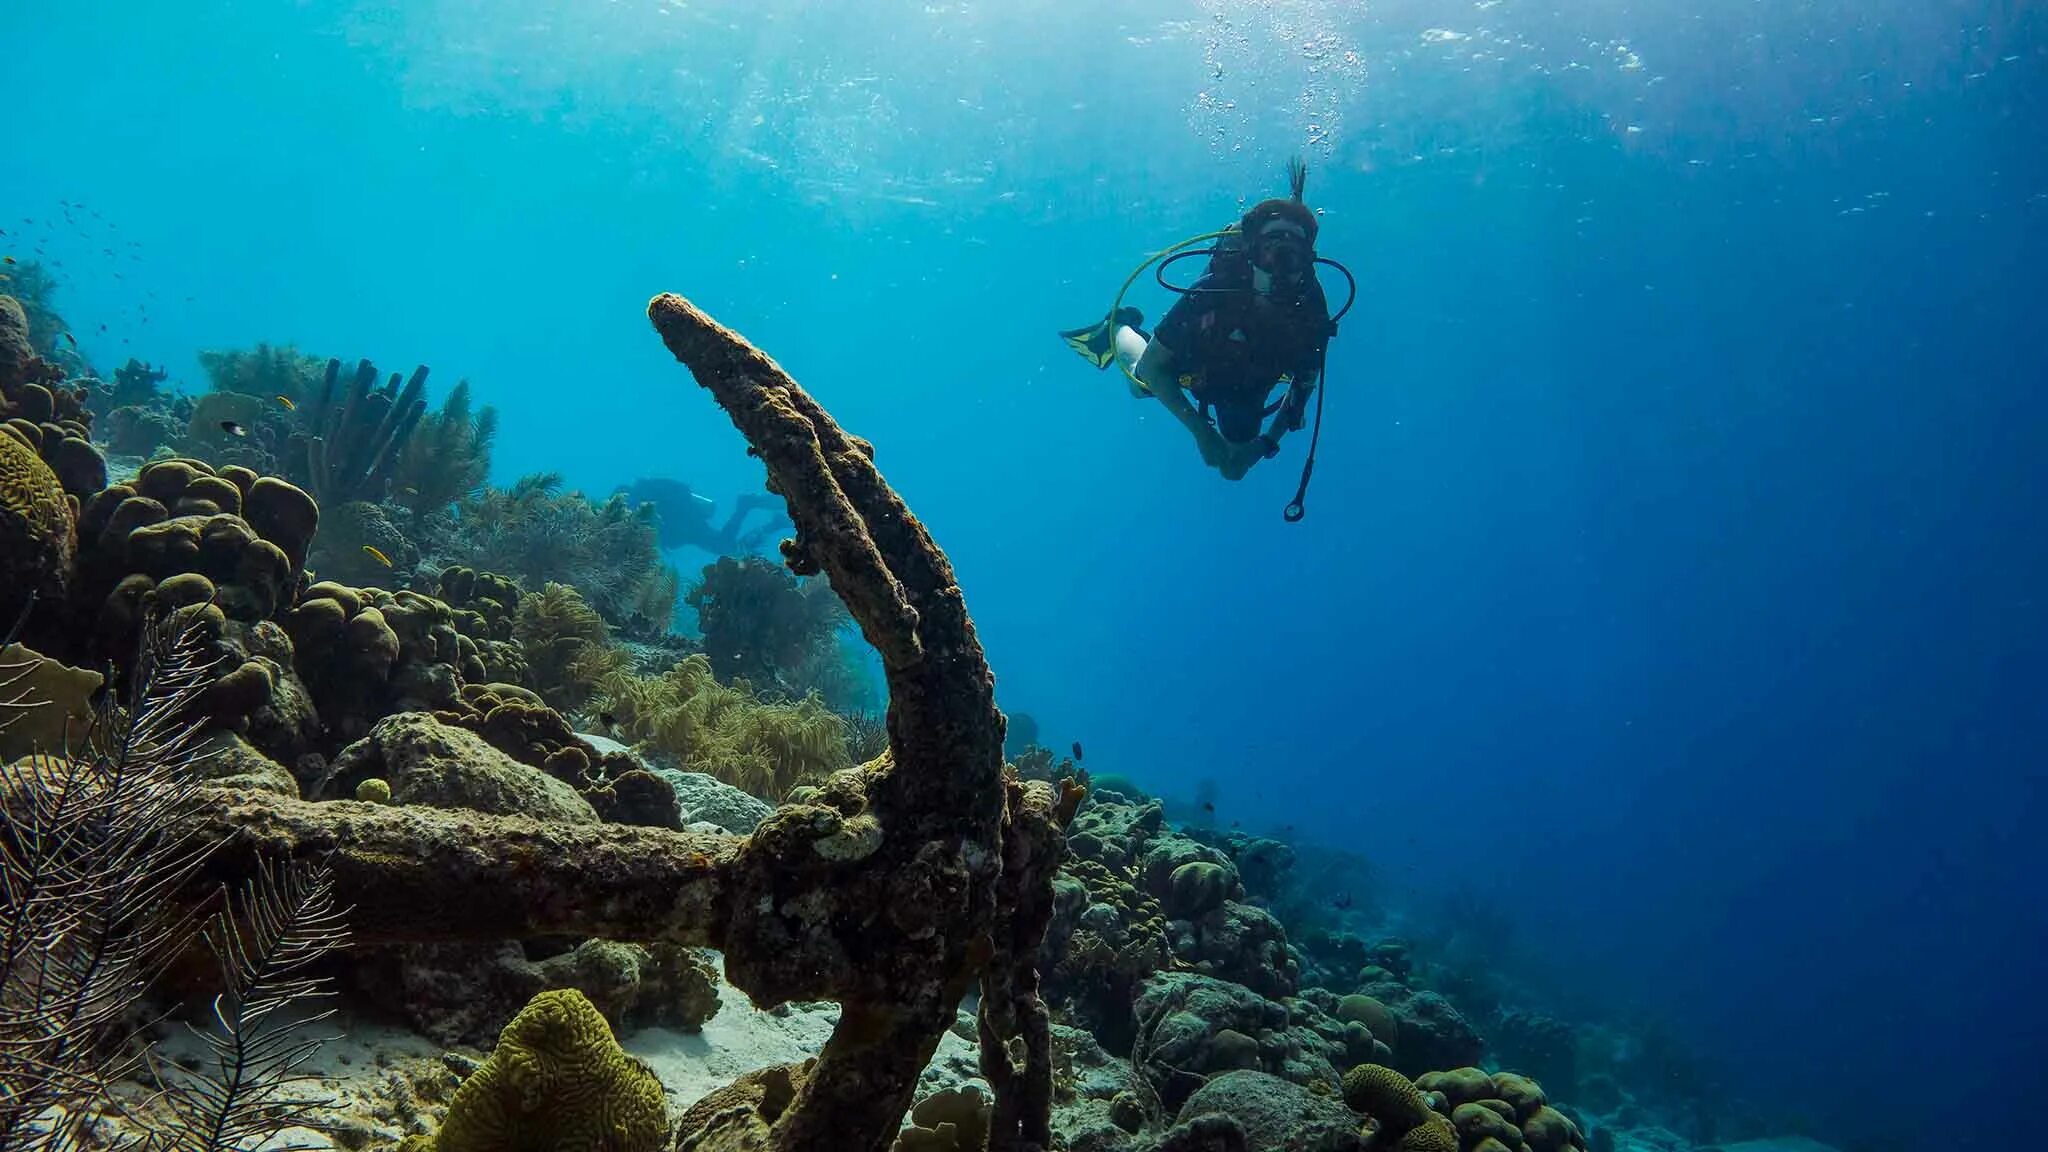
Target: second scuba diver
1255,319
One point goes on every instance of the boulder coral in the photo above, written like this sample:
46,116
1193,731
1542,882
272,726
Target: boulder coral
1192,1028
245,534
1502,1110
485,606
367,653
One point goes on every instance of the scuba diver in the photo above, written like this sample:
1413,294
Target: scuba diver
684,518
1256,318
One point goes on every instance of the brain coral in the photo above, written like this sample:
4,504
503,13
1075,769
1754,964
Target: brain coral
37,536
556,1081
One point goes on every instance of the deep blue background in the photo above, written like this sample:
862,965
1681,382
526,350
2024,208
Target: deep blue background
1674,568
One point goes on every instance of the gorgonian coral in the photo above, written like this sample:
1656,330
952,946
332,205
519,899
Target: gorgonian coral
765,748
536,533
763,625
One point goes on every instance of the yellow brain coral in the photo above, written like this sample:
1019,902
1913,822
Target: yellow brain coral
37,536
1387,1096
1433,1135
557,1082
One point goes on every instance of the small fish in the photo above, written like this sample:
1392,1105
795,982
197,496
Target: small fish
5,277
71,340
606,719
6,259
376,555
232,428
287,402
1209,806
1077,750
1342,902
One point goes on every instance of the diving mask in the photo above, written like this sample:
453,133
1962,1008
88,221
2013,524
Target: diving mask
1282,250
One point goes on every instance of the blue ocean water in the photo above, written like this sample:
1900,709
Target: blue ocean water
1673,571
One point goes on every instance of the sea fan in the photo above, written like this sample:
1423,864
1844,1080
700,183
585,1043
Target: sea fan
93,868
266,940
97,867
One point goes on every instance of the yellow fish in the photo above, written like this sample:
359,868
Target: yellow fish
379,557
287,402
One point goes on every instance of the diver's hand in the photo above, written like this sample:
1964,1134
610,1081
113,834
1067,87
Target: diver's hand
1239,458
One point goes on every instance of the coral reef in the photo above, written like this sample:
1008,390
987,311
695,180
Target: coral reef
265,371
29,353
360,544
890,891
366,653
1106,937
955,1120
709,800
1191,1028
1432,1033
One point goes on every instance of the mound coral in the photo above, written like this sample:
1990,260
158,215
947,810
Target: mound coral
1486,1113
557,1080
64,444
366,653
486,606
221,546
685,715
955,1120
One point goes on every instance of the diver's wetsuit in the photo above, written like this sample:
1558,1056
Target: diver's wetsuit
1237,344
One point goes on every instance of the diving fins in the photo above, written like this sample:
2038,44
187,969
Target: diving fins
1097,342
